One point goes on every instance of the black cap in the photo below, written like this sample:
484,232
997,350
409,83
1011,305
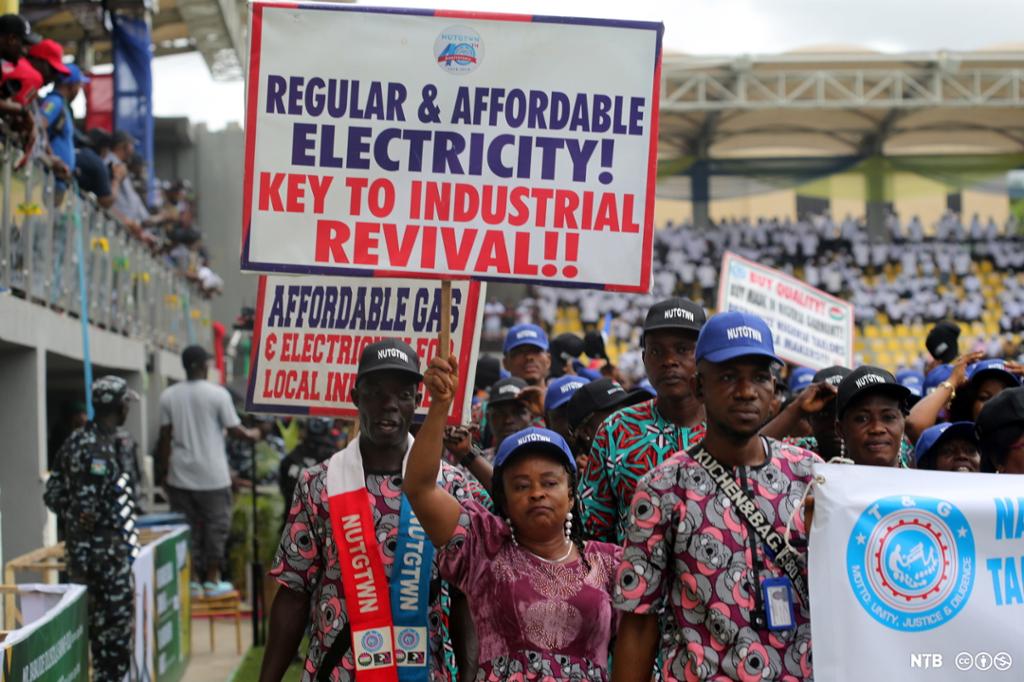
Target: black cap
675,313
194,355
593,345
506,391
833,375
865,380
389,354
603,394
1006,408
566,346
488,370
942,341
17,25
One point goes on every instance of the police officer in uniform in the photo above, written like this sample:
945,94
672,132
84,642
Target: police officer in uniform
91,488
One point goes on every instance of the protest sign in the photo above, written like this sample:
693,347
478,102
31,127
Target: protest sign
916,575
453,145
811,328
310,331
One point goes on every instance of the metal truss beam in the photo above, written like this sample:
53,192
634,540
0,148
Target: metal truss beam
687,87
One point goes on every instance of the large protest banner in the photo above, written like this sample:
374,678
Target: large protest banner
916,575
310,331
457,145
811,328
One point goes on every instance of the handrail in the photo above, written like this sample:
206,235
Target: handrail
130,290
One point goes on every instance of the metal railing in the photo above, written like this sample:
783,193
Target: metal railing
130,290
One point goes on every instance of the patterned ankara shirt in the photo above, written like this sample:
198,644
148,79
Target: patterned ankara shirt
688,552
307,561
626,446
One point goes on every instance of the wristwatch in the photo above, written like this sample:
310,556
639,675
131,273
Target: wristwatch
473,453
952,389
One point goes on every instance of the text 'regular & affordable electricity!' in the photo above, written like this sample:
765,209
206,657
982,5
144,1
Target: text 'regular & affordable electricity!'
476,147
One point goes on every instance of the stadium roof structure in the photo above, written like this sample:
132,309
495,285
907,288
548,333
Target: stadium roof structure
842,101
214,28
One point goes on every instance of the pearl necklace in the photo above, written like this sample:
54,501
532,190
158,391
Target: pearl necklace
553,561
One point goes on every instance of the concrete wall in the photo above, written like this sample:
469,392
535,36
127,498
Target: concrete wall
219,160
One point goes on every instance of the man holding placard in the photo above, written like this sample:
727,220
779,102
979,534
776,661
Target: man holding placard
353,558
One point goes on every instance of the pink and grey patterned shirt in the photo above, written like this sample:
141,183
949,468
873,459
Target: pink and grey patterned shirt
534,620
307,561
688,551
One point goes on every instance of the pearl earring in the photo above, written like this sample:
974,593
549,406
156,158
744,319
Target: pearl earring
568,525
512,531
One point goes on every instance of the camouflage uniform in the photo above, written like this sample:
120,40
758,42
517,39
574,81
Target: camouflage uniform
91,488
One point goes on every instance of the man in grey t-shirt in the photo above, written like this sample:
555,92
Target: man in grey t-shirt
194,415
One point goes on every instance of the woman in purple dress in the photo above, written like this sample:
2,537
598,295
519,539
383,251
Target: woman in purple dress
540,596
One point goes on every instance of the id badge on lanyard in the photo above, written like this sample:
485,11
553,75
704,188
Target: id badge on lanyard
777,597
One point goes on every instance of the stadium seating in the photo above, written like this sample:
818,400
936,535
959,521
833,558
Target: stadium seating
935,290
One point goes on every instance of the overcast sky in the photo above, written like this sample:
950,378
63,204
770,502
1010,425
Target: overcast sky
182,85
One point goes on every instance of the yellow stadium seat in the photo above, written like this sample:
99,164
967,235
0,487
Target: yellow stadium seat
871,331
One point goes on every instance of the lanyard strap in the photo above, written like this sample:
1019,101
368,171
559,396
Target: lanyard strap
410,596
773,541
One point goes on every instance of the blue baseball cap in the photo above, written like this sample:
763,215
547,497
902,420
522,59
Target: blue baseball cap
561,389
912,380
800,378
933,436
536,440
936,377
75,77
525,335
993,366
732,335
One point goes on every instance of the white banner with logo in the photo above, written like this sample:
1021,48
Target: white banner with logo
811,328
916,575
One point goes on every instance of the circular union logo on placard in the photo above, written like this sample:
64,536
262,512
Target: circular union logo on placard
372,641
910,561
458,49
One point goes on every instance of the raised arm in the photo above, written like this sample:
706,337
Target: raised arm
813,399
926,412
437,511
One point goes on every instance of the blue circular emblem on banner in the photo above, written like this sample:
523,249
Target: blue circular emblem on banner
910,561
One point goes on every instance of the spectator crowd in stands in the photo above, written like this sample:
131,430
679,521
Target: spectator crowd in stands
909,276
37,88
